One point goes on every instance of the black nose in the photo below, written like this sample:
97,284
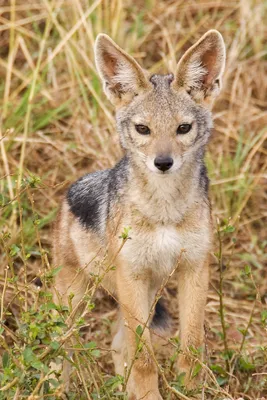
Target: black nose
163,163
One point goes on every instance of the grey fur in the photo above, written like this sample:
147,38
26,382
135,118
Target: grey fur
161,80
92,196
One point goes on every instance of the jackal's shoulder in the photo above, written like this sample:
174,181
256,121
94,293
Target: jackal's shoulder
91,197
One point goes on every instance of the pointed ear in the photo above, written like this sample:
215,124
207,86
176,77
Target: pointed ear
200,69
122,76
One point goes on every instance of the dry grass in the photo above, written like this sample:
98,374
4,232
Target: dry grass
56,125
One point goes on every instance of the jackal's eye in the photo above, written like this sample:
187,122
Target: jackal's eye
183,128
142,129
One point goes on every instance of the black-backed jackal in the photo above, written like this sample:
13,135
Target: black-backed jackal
160,190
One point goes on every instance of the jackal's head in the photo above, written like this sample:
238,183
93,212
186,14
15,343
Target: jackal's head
163,120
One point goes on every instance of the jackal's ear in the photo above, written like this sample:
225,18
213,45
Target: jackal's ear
122,76
200,69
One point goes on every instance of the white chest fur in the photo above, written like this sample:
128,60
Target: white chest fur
159,250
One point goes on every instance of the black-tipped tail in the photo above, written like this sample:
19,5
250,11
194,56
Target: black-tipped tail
161,318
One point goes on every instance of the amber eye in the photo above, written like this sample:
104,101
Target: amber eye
142,129
183,128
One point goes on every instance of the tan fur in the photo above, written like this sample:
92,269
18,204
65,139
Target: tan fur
168,216
205,58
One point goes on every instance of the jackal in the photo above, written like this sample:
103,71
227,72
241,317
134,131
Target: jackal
159,191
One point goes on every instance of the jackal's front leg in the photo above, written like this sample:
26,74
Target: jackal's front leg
192,296
133,296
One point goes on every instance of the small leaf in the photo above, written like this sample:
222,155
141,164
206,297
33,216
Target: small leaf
247,270
180,382
28,355
37,364
228,229
5,360
221,380
245,365
33,180
2,200
219,369
197,369
264,317
139,330
48,306
54,345
125,233
90,345
54,382
14,250
242,331
114,382
55,271
195,351
95,353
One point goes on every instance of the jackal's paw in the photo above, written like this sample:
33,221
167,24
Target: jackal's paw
187,367
151,395
143,389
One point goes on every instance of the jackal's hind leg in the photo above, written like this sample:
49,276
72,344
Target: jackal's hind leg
70,287
192,292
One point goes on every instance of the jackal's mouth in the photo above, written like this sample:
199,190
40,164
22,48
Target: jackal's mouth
164,173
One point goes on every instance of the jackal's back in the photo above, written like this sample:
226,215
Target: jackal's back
92,197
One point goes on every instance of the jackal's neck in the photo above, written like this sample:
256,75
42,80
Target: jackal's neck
166,198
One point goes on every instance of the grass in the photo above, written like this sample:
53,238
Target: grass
56,125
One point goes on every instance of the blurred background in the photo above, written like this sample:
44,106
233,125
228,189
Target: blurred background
56,125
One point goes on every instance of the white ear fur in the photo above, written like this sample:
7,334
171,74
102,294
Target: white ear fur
121,74
201,68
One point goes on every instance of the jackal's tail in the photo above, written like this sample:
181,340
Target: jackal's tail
161,319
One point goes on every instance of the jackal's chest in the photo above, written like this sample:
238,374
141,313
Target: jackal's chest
161,249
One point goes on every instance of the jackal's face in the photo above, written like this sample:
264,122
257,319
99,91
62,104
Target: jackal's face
163,120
